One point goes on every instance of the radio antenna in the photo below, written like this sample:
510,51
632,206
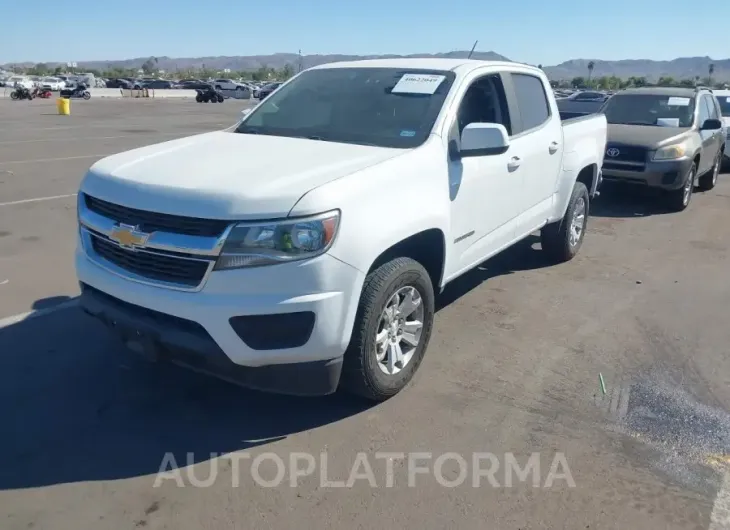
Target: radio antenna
472,48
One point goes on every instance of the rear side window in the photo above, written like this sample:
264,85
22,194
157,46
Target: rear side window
532,101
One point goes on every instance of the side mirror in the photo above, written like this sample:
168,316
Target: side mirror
711,125
245,112
484,139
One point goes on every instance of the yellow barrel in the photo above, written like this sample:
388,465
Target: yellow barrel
64,106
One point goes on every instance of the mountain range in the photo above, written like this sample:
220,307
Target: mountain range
681,68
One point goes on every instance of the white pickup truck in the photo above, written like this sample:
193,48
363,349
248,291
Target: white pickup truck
302,249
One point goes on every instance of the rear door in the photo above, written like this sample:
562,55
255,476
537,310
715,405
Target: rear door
536,143
710,139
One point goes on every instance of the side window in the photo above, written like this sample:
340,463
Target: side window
484,102
531,101
711,107
704,112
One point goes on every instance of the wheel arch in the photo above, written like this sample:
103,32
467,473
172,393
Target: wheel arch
427,247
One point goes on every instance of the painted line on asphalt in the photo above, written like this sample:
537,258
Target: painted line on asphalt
91,138
720,516
9,321
38,199
60,159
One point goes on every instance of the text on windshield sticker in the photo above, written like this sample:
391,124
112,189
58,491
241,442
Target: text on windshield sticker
678,102
418,84
668,122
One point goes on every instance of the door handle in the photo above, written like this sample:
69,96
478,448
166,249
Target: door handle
553,148
514,163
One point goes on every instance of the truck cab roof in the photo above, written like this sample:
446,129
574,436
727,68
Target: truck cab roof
459,66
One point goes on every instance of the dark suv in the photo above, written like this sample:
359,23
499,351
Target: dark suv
668,138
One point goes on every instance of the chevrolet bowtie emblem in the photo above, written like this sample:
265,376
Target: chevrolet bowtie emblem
128,236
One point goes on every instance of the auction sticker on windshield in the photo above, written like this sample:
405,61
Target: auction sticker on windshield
678,102
418,84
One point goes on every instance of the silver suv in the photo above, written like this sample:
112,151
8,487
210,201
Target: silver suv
668,138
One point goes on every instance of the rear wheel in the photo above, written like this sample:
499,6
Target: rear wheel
391,332
709,179
678,200
14,95
562,239
199,98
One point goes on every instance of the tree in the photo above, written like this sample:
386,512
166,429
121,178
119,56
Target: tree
666,81
578,82
711,70
591,66
286,72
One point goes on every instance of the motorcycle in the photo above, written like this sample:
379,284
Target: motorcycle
208,95
21,93
42,93
79,92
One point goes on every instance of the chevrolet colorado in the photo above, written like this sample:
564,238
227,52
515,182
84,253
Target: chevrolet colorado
301,249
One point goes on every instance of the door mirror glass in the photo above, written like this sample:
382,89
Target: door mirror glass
711,125
484,139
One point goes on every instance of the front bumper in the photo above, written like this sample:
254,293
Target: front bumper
166,319
666,174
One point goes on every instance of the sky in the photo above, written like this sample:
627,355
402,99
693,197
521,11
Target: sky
533,31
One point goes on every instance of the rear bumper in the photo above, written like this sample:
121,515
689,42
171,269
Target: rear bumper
668,174
162,337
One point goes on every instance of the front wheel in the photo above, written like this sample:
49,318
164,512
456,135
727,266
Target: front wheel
199,98
14,95
391,332
678,200
87,96
562,239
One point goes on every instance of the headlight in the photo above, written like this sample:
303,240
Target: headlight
256,244
671,152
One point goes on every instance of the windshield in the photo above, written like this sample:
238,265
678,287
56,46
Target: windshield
354,105
650,109
724,102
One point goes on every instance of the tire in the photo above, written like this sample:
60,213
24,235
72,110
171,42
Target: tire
562,239
709,179
13,95
220,99
199,98
365,366
678,200
87,96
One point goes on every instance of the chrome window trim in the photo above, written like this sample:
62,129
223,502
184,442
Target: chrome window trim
99,261
159,240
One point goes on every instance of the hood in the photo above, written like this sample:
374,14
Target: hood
647,136
226,175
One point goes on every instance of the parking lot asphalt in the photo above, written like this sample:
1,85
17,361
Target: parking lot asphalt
616,362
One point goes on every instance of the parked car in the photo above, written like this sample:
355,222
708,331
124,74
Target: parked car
52,83
230,84
723,99
289,269
666,138
119,83
20,80
195,84
266,90
581,103
159,84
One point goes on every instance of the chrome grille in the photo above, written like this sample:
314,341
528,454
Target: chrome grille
156,222
158,266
